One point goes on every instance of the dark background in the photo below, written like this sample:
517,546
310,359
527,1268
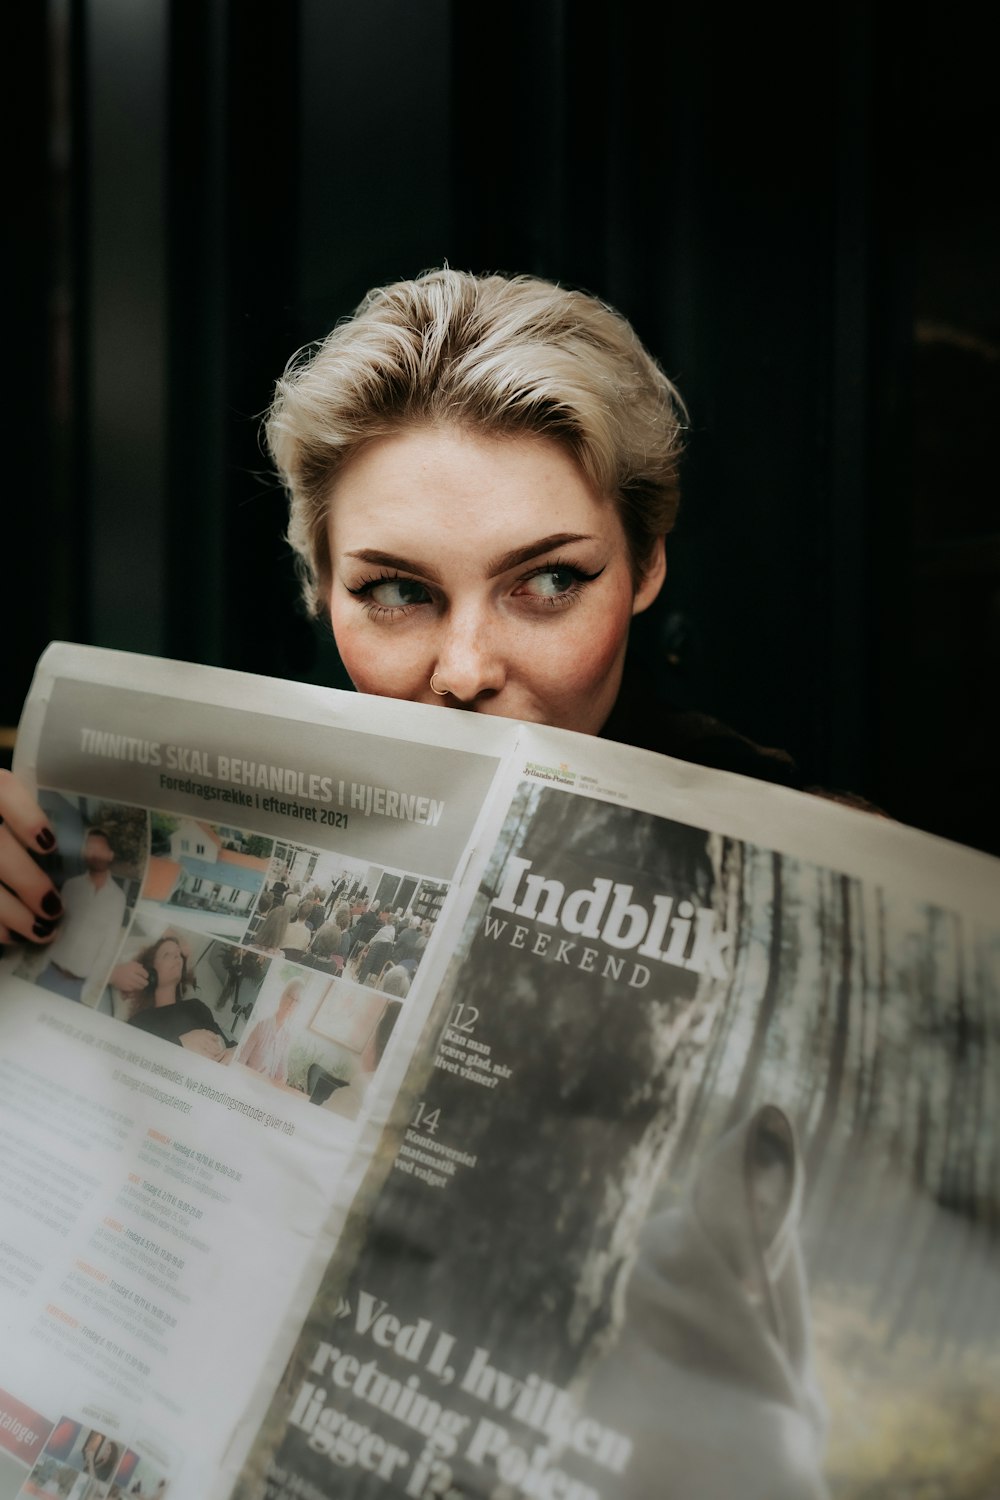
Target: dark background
797,208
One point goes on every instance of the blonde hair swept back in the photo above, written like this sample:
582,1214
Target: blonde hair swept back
506,355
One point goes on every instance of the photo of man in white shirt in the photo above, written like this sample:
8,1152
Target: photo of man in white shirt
94,908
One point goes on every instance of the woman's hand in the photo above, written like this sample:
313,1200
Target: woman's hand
130,977
29,902
205,1042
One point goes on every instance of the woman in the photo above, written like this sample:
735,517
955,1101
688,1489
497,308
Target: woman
315,913
161,1008
329,940
266,1046
270,933
396,981
380,946
100,1459
482,475
298,933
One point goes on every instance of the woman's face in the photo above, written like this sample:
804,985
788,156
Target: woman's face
490,562
168,961
286,1005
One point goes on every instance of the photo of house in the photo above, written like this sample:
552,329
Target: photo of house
212,872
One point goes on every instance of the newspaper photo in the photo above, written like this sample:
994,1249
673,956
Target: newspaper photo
417,1104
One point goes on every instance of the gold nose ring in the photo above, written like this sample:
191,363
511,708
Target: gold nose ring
442,692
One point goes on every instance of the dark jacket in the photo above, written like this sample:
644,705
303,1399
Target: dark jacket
641,718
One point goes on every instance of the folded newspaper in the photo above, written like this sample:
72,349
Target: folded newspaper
416,1103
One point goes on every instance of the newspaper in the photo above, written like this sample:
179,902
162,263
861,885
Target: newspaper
636,1137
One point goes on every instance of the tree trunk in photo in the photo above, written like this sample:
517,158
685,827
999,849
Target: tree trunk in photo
865,1165
819,1045
838,1048
740,1105
739,866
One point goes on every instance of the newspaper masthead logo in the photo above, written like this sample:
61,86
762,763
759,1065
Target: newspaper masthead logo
561,774
688,936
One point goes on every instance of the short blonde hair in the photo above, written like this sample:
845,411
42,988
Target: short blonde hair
503,355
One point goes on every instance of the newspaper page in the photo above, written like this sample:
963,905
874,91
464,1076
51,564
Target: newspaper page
256,879
691,1191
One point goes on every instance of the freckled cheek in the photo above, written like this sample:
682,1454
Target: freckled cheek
374,662
585,660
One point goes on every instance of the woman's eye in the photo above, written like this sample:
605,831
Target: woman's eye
396,593
551,582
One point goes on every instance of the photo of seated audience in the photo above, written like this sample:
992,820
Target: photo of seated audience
385,948
345,917
98,867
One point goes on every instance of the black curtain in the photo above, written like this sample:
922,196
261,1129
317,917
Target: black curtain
795,209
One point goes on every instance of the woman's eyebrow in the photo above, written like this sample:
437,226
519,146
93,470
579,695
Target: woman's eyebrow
390,560
496,566
518,555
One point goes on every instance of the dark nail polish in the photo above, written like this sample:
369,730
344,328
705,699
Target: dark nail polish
46,840
51,905
42,928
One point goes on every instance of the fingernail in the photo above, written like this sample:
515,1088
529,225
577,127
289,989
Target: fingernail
42,928
51,905
46,840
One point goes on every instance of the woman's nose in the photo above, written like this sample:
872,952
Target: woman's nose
470,663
